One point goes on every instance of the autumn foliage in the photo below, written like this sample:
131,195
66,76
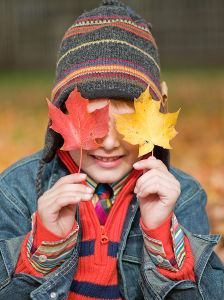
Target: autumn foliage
147,126
79,128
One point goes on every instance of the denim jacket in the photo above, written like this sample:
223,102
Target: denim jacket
138,276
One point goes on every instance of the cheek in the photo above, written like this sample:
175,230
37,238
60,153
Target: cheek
75,154
133,151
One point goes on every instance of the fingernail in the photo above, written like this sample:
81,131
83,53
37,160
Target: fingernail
152,157
89,190
83,176
135,165
86,197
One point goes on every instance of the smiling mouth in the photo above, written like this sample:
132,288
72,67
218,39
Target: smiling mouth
106,159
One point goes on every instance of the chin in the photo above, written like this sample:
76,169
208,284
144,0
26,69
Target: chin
107,178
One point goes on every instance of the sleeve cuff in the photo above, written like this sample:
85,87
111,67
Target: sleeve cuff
43,234
165,244
162,232
45,250
186,271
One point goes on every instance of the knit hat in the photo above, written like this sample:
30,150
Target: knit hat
108,52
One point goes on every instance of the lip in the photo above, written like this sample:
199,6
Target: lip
107,161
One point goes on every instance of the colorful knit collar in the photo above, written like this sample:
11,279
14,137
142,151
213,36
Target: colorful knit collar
116,186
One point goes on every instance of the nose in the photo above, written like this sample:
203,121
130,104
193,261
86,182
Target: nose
111,140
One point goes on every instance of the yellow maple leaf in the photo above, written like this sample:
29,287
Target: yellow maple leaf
147,126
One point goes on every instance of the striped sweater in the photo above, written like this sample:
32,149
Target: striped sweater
96,276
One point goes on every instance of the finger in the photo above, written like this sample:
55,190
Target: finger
162,188
68,200
150,190
156,174
49,199
70,187
79,195
72,178
54,205
154,182
150,163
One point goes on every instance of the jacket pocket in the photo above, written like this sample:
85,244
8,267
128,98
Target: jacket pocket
131,259
131,269
133,248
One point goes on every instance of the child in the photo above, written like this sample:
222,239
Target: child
125,227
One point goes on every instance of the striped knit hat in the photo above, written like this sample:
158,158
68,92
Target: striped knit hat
107,53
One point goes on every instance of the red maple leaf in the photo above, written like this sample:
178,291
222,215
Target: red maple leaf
79,128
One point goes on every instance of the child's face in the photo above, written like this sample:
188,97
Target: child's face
114,157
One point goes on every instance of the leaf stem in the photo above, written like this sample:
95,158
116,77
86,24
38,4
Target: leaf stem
80,160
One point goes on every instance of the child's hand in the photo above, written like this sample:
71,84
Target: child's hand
157,190
57,206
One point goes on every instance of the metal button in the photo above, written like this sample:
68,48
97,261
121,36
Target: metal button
159,258
42,258
53,295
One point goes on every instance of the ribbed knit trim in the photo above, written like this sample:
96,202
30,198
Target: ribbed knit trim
110,70
187,270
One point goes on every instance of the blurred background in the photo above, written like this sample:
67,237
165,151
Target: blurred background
190,37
